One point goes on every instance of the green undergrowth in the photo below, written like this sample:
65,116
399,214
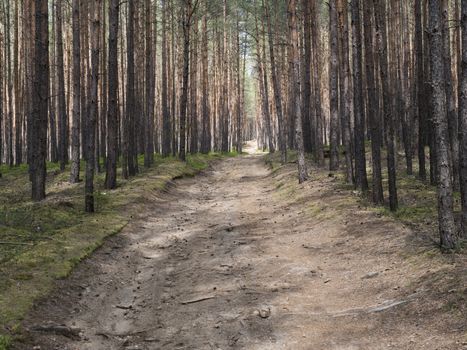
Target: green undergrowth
42,242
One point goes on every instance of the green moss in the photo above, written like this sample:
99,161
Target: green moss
4,342
42,242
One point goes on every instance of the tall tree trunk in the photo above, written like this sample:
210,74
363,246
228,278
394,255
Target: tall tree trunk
186,71
318,108
377,189
225,96
62,108
295,80
361,179
130,92
112,114
346,98
463,119
1,108
306,76
206,118
40,100
17,91
263,86
150,90
381,35
9,121
333,88
93,110
450,98
76,121
166,125
277,91
445,196
420,86
194,89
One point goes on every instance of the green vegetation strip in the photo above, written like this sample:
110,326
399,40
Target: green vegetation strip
42,242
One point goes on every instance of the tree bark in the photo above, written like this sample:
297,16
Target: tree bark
377,186
381,35
463,119
112,114
333,88
294,58
40,101
361,179
441,134
76,120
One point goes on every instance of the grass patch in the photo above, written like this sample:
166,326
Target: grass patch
4,342
42,242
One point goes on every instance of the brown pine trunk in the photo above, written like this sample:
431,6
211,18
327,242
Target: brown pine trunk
441,133
40,101
76,120
112,114
463,119
186,71
373,117
333,88
93,110
62,108
150,90
166,125
295,89
381,35
359,116
130,92
205,115
277,91
346,100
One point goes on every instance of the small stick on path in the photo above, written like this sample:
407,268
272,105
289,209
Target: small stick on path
198,300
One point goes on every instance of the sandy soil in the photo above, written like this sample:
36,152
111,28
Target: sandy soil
240,258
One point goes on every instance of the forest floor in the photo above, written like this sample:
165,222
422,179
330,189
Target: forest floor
242,257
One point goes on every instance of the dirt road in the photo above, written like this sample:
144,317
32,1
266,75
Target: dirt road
231,259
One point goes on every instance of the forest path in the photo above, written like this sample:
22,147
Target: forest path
221,261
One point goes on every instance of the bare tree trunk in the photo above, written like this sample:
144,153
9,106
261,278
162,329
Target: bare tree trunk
333,88
62,108
76,121
166,127
194,89
150,90
17,91
420,86
377,193
295,80
445,196
225,96
186,71
277,91
306,78
346,99
318,109
112,114
463,119
450,98
206,118
381,34
130,92
40,101
92,117
359,116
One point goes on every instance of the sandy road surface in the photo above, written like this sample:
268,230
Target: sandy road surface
222,262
